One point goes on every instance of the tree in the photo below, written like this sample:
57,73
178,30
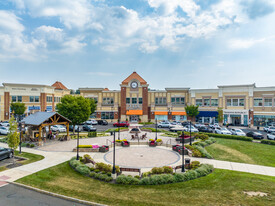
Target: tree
93,105
13,135
192,111
75,108
220,115
18,108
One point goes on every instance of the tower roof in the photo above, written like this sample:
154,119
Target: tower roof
59,85
134,75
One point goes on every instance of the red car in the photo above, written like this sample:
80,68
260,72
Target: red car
121,124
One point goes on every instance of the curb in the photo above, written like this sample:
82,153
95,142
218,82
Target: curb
57,195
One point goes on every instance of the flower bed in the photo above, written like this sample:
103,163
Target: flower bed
157,176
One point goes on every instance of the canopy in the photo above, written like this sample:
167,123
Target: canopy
134,112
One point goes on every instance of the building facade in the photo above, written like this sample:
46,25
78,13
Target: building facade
35,97
135,101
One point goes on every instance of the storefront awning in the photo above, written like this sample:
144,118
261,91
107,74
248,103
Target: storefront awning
208,114
134,112
161,113
178,113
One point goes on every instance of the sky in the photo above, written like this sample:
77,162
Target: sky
175,43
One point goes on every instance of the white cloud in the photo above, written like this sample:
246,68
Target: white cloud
244,43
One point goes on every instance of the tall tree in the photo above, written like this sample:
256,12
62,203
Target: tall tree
13,135
192,111
220,115
75,108
18,108
93,105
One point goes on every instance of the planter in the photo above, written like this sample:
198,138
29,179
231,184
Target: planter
125,144
104,148
159,143
152,144
186,140
174,147
180,150
118,143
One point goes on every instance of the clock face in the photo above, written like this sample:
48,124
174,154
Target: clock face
134,85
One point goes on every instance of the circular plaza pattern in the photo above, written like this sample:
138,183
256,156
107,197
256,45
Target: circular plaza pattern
142,157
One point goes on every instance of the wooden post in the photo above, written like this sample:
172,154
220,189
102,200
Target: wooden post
39,138
68,133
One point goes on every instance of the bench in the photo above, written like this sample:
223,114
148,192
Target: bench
177,167
123,169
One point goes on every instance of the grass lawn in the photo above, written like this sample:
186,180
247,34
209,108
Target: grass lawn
244,152
29,156
222,187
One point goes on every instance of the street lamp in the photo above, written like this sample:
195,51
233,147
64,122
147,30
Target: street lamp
22,129
156,129
118,129
182,152
190,132
114,155
77,149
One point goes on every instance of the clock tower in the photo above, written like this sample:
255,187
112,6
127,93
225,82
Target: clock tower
134,99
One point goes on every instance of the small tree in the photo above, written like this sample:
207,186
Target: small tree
220,115
75,108
93,105
13,135
18,108
192,111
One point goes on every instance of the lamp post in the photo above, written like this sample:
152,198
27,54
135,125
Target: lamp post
182,154
114,155
118,129
22,129
156,129
190,132
77,149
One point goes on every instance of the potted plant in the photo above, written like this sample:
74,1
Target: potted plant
118,142
181,150
152,143
125,143
174,147
104,148
159,142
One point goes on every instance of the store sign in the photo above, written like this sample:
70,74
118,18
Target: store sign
237,112
34,108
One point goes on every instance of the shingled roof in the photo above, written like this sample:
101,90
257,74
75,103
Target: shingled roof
59,85
134,75
38,118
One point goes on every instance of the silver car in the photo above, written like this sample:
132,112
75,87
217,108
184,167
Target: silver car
271,136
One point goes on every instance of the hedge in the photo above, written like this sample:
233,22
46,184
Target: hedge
154,129
224,136
85,146
270,142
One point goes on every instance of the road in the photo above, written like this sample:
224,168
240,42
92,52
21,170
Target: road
13,195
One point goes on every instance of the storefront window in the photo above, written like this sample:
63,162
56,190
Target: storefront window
258,102
268,102
263,120
206,102
179,117
107,115
199,102
214,102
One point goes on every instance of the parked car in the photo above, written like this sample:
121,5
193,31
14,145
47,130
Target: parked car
4,130
255,135
271,129
164,124
89,128
75,128
5,124
238,132
186,124
175,123
213,126
198,125
205,129
5,153
223,130
193,129
102,122
266,128
121,124
91,121
271,136
58,128
175,128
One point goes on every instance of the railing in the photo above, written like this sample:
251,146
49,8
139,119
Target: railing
107,141
169,140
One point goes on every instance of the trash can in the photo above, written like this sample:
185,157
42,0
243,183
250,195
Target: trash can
187,163
111,133
258,128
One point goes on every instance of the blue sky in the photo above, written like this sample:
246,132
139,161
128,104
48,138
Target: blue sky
175,43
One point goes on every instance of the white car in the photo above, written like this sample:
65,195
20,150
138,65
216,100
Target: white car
223,130
238,132
164,124
5,124
4,130
175,128
266,128
271,136
213,126
58,128
91,121
271,129
193,129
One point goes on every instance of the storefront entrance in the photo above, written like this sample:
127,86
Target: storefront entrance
236,120
134,118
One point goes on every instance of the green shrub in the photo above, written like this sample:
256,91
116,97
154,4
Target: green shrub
159,140
32,145
137,176
168,178
92,134
109,174
127,180
201,136
75,163
167,170
82,169
270,142
203,152
146,174
195,165
103,167
92,169
116,129
85,146
157,170
97,171
224,136
204,170
190,175
145,181
154,129
92,174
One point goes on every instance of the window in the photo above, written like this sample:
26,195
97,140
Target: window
31,98
228,102
199,102
13,98
235,102
128,101
214,102
160,101
57,99
140,100
258,102
134,100
49,99
108,101
206,102
36,98
241,102
178,100
94,98
107,115
268,102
